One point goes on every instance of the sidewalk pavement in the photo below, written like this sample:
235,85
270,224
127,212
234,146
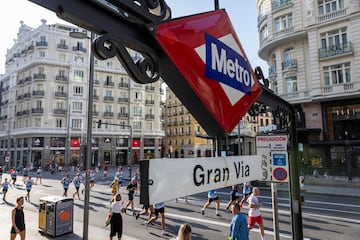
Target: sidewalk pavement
32,226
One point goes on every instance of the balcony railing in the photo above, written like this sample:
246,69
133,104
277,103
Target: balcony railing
149,116
289,64
80,49
38,93
60,94
108,114
37,110
123,115
41,44
335,50
280,3
61,78
272,70
39,76
109,84
123,100
149,88
149,102
59,111
62,46
123,85
332,15
108,98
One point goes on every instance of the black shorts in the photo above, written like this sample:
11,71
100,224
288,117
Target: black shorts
131,197
159,210
213,199
302,199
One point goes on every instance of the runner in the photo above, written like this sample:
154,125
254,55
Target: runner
234,196
5,187
77,182
212,196
38,175
254,212
65,181
28,186
131,191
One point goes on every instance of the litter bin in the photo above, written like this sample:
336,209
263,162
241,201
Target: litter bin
56,215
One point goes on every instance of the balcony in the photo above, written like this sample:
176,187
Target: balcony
123,100
27,95
272,71
335,50
59,111
95,113
331,16
26,112
123,115
97,82
123,85
38,93
37,110
108,114
289,64
79,49
109,84
39,76
96,97
61,78
280,4
28,79
108,99
62,46
149,116
60,94
41,44
149,102
20,81
149,88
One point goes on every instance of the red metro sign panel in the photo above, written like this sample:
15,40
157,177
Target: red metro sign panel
207,52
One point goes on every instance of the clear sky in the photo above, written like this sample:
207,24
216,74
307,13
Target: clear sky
242,13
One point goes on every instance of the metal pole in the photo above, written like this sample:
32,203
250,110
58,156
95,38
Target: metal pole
239,140
216,4
67,151
274,197
88,143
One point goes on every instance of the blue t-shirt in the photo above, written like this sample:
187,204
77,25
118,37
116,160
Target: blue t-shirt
66,182
238,228
29,184
77,181
212,194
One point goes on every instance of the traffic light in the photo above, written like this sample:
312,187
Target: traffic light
99,124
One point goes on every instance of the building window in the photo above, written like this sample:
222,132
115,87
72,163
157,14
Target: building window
79,59
108,108
328,6
62,57
78,75
42,54
123,110
137,126
76,123
108,93
264,33
137,110
189,141
337,74
58,123
169,131
149,126
77,106
109,64
283,22
78,90
291,85
37,122
138,96
334,39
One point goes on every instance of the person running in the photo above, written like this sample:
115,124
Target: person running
116,222
92,179
25,174
159,208
254,212
65,181
5,187
14,174
18,220
131,191
246,192
238,226
106,168
1,173
119,175
234,196
77,182
212,196
114,185
302,190
38,175
28,186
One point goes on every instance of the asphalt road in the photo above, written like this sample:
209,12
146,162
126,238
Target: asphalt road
324,216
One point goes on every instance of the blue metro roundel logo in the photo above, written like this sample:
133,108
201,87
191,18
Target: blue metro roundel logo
225,65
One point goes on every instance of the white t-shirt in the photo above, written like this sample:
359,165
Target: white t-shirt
116,207
253,212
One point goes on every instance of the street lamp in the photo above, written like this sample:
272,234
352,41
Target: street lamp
81,35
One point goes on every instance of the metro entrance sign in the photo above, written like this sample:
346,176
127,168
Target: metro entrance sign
208,53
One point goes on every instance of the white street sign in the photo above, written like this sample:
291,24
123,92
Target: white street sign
275,165
177,177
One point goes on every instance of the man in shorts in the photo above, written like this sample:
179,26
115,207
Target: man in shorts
159,208
212,196
254,212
